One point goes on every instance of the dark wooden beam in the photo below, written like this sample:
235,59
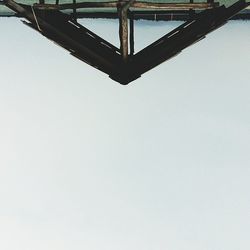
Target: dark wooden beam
131,35
81,42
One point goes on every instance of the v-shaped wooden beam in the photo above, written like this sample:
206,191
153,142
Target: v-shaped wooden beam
92,49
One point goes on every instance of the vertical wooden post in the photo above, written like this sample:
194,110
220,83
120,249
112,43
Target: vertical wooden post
123,33
57,1
131,30
41,1
123,27
191,11
74,10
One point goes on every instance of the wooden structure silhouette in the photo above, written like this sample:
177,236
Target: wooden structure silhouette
121,64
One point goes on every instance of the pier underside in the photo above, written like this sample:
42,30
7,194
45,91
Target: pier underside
121,64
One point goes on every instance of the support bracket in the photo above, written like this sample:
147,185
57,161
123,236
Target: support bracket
94,50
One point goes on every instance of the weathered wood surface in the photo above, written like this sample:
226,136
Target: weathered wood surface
155,10
123,26
137,4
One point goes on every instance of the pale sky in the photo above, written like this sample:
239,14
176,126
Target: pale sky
160,164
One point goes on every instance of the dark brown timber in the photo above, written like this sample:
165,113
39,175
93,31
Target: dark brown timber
131,33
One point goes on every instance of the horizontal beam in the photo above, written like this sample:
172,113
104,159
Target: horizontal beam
138,4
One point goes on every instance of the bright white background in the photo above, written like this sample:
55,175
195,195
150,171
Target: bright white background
162,163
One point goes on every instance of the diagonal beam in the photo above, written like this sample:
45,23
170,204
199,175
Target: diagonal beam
80,41
183,36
